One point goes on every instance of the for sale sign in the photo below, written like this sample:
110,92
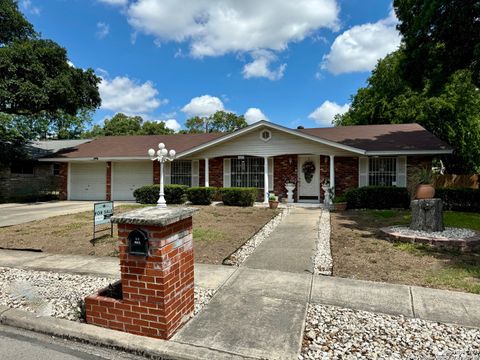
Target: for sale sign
103,212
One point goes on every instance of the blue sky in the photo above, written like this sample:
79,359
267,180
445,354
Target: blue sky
291,62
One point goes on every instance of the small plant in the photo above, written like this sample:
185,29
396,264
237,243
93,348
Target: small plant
423,176
290,178
272,197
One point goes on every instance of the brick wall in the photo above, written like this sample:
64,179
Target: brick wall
63,181
109,181
346,173
156,172
157,291
215,166
283,165
201,173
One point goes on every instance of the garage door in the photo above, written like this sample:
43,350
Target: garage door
128,176
88,181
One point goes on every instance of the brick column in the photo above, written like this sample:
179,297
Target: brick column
109,181
63,181
155,295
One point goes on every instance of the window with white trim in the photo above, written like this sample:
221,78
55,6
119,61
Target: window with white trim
181,172
247,172
382,171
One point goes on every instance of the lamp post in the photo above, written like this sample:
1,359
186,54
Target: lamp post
162,155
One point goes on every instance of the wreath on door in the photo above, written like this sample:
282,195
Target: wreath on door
308,169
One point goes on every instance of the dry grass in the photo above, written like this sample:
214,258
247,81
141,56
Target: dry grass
218,231
360,252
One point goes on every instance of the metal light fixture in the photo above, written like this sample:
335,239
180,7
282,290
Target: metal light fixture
162,155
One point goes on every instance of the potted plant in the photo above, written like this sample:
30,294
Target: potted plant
272,201
340,202
423,180
290,181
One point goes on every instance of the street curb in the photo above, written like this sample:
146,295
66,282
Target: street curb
153,348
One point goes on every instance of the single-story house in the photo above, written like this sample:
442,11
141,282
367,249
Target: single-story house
263,155
28,178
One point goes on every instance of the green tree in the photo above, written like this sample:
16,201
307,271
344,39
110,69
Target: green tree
221,121
121,124
13,25
440,37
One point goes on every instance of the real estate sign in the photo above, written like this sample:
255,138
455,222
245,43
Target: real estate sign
102,212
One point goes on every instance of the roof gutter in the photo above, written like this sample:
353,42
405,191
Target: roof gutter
409,152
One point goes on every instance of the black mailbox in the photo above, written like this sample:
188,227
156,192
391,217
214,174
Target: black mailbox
138,243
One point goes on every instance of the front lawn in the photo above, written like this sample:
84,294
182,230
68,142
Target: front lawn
360,252
217,232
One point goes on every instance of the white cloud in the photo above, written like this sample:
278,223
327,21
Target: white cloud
213,28
252,115
28,6
102,30
359,48
122,94
325,113
260,66
172,124
115,2
203,106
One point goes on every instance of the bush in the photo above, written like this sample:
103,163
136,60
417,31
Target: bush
378,197
174,194
459,199
201,195
340,199
239,196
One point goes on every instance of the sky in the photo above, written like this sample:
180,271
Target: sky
290,62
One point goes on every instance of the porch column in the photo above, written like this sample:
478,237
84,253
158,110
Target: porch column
207,182
332,174
265,179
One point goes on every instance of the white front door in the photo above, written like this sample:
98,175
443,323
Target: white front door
128,176
308,178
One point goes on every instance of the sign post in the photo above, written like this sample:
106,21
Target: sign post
102,212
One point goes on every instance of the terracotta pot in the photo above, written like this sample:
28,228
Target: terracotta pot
424,191
273,204
341,206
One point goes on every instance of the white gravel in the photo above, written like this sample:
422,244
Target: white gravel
448,233
243,252
322,261
58,294
338,333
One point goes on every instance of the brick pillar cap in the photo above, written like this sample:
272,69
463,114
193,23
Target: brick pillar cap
154,216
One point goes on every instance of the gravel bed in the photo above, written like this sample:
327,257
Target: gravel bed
338,333
244,251
448,233
60,295
322,261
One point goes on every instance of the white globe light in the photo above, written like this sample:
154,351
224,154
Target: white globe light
161,146
164,151
172,153
159,152
151,152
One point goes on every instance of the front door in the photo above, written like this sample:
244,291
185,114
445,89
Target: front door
308,178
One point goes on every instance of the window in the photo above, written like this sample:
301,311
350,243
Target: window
247,172
181,172
382,171
56,169
20,168
265,135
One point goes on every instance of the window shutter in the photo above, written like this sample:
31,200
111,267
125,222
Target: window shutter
270,174
402,171
195,170
226,173
167,171
362,171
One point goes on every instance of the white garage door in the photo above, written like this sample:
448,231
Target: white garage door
128,176
88,181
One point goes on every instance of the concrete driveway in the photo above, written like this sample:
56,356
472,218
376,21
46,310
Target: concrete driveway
14,214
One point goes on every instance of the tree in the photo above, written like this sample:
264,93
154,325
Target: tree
440,37
121,124
221,121
13,25
453,114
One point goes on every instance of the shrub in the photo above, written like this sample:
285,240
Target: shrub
340,199
459,199
378,197
201,195
239,196
174,194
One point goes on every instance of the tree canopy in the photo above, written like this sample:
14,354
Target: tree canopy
221,121
432,79
121,124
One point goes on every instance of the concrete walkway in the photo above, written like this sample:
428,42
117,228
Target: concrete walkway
260,311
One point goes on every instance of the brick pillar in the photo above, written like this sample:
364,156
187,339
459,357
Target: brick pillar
63,181
157,290
109,181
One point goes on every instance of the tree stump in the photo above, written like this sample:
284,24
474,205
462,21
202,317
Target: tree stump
427,215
